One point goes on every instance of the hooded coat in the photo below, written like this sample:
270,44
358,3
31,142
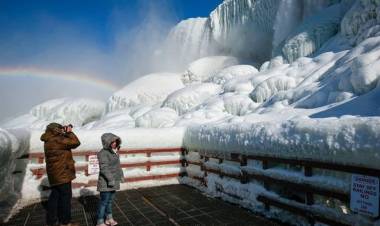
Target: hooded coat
60,167
110,174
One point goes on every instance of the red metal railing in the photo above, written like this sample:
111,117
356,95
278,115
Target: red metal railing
83,167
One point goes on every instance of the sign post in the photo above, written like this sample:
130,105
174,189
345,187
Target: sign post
93,165
365,195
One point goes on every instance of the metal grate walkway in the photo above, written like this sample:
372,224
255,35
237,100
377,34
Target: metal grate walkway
166,205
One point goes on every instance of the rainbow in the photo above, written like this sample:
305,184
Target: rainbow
55,74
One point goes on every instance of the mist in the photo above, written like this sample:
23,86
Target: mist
69,47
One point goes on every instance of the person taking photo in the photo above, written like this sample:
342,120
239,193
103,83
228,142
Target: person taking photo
58,142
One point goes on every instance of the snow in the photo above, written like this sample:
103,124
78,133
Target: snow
76,111
116,119
145,91
157,118
204,68
229,73
350,140
185,99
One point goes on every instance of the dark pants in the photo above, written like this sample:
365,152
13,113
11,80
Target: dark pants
59,204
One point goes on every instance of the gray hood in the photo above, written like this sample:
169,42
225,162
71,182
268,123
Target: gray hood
108,138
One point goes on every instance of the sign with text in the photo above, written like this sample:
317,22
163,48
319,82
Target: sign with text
93,165
365,195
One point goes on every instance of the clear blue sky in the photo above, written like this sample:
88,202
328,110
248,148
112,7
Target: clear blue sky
93,17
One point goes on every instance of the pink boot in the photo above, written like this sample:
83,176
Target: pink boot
111,222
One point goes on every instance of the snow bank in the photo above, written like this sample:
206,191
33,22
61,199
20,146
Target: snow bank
76,111
145,91
347,140
185,99
204,68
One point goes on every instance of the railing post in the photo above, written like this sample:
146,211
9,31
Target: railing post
86,170
266,185
41,159
309,199
243,174
221,175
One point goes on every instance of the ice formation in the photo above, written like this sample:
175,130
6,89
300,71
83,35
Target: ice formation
232,72
76,111
204,68
190,40
145,91
189,97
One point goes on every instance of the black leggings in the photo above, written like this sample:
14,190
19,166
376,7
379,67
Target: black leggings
59,204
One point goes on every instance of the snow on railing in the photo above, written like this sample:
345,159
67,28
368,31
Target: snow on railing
37,159
215,174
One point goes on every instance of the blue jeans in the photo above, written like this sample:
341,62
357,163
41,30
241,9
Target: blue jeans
105,206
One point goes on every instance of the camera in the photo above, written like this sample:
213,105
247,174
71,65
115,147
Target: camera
65,128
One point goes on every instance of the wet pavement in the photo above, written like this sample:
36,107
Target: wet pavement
165,205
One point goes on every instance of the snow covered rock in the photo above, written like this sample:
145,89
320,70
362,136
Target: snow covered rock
145,91
185,99
232,72
157,118
201,70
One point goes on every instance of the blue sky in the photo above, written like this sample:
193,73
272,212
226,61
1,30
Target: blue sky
96,20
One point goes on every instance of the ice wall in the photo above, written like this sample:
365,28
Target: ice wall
313,33
244,27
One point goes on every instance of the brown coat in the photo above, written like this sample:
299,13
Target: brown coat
59,159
